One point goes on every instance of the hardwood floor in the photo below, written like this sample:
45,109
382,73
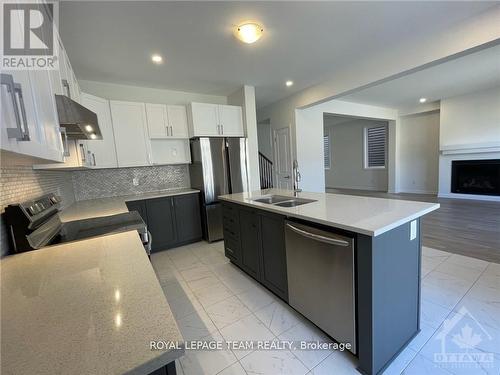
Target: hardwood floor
466,227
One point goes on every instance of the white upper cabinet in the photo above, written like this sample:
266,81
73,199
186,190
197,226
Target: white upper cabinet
156,115
102,151
177,120
231,121
215,120
131,134
167,121
204,120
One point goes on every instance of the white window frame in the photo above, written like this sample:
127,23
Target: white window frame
365,148
329,151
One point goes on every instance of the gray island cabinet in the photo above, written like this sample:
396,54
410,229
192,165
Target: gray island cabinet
386,260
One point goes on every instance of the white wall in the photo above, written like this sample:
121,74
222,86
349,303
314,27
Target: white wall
470,128
471,119
146,94
347,169
419,153
309,135
245,97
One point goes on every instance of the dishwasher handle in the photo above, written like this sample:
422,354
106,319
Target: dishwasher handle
318,237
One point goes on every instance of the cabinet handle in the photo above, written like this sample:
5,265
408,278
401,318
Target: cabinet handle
17,132
65,84
64,136
93,158
171,131
25,135
222,127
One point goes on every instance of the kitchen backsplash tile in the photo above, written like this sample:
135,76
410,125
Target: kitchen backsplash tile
90,184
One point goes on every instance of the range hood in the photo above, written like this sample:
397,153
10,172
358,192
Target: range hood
79,122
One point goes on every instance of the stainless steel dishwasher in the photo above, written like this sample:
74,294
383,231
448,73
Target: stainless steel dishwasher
321,283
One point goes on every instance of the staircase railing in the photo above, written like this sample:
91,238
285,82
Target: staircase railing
266,172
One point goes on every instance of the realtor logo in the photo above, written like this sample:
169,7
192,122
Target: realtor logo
460,338
28,40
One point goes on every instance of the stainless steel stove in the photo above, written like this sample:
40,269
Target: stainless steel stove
35,224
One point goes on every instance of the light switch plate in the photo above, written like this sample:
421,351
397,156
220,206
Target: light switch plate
413,230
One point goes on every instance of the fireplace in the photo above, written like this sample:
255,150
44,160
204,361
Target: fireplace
475,177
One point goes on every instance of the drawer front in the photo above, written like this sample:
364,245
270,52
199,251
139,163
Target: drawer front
232,249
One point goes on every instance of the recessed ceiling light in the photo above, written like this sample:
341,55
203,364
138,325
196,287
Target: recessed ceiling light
422,100
289,83
93,136
157,59
249,32
88,128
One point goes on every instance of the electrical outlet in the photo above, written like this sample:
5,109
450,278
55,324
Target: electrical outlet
135,181
413,230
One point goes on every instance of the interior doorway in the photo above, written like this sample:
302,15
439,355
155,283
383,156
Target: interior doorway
282,158
355,153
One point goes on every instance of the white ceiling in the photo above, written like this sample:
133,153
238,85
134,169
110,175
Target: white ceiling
474,72
303,41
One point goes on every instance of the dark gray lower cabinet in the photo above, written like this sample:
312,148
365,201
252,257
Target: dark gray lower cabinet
250,242
172,221
273,265
161,223
187,217
255,241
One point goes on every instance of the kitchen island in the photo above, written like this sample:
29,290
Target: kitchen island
86,307
371,245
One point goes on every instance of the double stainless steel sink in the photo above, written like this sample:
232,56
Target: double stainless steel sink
283,201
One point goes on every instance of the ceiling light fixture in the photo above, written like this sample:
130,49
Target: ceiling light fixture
422,100
289,83
157,59
249,32
88,128
93,136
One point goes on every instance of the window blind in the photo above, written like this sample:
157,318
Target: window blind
375,146
326,148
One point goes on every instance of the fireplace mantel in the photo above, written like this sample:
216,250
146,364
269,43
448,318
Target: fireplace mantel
470,148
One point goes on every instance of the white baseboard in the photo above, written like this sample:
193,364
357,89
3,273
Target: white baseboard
417,191
489,198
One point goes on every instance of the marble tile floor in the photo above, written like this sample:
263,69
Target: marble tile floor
214,300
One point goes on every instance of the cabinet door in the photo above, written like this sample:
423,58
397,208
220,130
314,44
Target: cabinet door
129,127
139,206
250,242
205,119
274,273
231,119
161,223
187,217
157,120
231,225
103,152
177,121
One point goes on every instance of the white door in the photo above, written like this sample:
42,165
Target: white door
177,121
205,119
231,120
283,159
103,152
157,120
129,127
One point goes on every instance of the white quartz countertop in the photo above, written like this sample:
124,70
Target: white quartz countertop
87,307
113,205
365,215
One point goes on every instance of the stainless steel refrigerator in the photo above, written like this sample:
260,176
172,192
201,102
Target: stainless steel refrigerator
219,166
